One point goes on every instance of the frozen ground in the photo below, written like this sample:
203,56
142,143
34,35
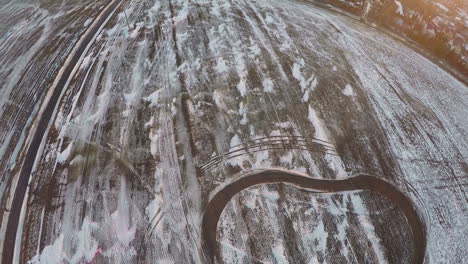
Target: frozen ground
188,95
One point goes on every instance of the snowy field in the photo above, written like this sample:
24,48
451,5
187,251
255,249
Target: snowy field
168,101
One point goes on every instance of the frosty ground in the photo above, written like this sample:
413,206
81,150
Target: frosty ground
143,133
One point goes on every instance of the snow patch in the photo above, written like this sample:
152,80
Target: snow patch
335,162
317,124
400,8
287,159
348,91
154,206
85,250
218,98
155,8
242,87
279,254
153,98
235,141
65,154
262,158
319,236
243,113
268,85
52,254
85,62
358,205
307,84
221,65
441,6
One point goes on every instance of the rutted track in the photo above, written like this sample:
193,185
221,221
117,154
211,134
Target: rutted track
360,182
64,76
272,142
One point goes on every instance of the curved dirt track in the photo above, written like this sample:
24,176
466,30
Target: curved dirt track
360,182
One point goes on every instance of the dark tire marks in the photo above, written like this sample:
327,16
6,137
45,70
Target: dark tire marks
271,143
360,182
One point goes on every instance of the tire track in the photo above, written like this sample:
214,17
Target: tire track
59,85
359,182
271,143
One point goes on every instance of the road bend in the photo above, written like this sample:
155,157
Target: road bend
355,183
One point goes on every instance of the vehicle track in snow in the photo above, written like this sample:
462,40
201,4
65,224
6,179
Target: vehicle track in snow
271,143
220,200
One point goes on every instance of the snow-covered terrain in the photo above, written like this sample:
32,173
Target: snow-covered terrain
174,99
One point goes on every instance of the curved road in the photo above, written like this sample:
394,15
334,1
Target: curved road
360,182
59,85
